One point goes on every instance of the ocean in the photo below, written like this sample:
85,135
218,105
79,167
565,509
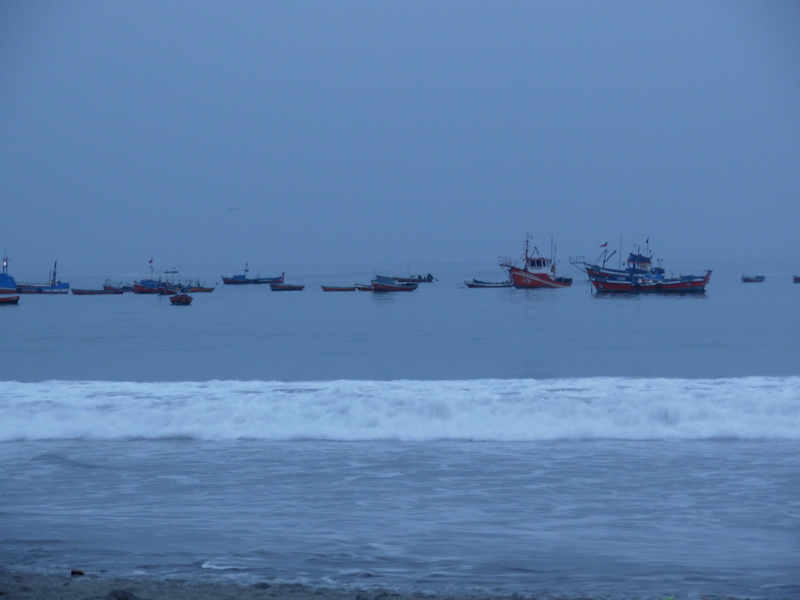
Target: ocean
489,442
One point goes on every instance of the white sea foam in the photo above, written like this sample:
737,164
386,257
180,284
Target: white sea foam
502,410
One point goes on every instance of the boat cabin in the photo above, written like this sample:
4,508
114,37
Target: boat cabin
539,262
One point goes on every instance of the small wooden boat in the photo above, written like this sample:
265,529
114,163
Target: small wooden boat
180,300
477,283
415,278
336,288
9,300
753,278
104,292
390,284
286,287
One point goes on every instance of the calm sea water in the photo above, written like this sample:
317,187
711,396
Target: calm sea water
470,441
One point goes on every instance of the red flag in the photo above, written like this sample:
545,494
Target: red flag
601,245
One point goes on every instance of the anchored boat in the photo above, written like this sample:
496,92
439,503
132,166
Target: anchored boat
7,283
244,279
53,286
180,300
640,276
477,283
533,270
390,284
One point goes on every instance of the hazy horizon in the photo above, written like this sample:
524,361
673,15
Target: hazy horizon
413,132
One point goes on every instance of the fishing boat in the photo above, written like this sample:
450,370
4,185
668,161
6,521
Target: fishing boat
338,288
197,287
286,287
633,284
180,300
117,288
477,283
390,284
536,271
639,275
9,300
53,286
7,283
155,286
363,287
103,292
244,279
638,263
753,278
146,286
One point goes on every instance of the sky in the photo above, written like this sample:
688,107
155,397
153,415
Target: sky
318,131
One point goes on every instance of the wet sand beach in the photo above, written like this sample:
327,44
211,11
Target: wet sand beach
27,586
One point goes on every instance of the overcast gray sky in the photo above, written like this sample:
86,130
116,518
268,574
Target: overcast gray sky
303,131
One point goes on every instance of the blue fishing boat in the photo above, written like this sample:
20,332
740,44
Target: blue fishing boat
7,283
244,279
53,286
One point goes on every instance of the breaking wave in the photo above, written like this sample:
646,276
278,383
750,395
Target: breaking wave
478,410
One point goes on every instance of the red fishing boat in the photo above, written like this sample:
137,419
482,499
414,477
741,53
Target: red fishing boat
683,284
9,300
117,288
533,270
180,300
639,275
197,287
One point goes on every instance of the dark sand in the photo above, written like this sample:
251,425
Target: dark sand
27,586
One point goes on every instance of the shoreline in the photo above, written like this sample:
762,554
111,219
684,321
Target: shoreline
18,585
